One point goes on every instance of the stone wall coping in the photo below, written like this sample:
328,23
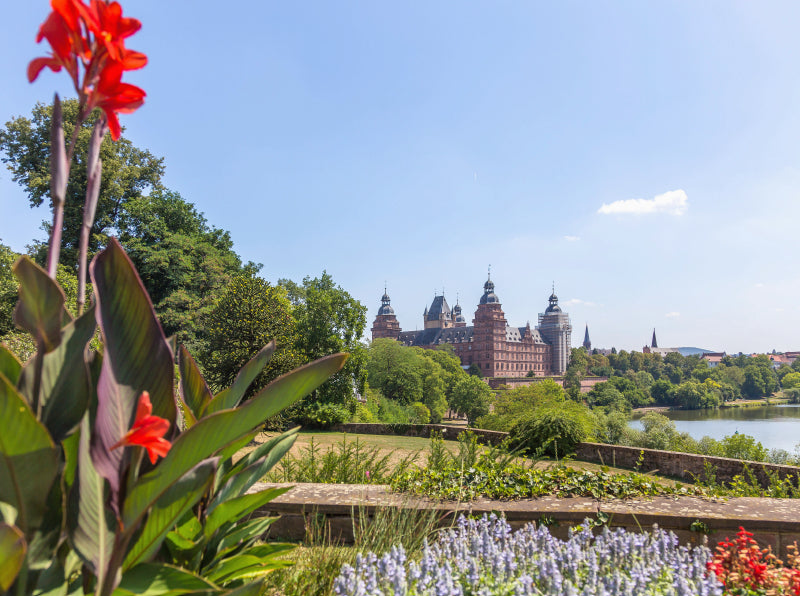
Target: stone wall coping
674,513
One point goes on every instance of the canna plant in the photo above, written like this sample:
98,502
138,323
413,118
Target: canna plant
113,477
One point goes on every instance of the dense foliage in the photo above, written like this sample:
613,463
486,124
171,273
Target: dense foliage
128,173
432,378
485,557
637,379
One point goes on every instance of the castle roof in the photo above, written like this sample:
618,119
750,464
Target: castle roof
439,308
489,297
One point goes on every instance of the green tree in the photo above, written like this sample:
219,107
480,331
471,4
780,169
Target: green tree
249,315
128,172
607,395
791,380
513,405
8,289
184,263
472,398
329,320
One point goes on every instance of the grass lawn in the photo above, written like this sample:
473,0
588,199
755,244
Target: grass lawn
398,448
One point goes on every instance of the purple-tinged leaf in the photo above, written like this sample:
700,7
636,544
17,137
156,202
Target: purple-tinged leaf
136,358
90,521
195,394
232,396
41,304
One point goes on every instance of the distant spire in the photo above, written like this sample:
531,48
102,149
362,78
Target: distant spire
586,341
654,343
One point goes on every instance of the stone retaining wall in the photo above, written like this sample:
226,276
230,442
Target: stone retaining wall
685,466
679,465
775,522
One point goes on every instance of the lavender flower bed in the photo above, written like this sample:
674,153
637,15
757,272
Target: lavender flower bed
484,557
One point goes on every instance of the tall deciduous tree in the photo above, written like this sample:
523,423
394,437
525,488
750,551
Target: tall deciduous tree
184,263
330,320
471,397
249,315
128,172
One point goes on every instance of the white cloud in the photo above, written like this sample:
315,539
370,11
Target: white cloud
672,315
572,238
673,202
759,285
578,301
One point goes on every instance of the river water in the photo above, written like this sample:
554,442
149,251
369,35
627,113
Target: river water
776,427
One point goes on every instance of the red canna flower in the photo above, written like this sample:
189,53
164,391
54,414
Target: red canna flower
93,37
113,96
147,431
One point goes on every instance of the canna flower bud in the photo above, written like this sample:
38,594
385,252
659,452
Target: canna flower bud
59,169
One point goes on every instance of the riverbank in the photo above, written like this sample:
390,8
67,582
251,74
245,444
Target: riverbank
739,403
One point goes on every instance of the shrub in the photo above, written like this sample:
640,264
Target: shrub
323,415
555,430
420,413
485,557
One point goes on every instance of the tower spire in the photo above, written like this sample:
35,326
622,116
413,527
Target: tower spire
587,343
654,343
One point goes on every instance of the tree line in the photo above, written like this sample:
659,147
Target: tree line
636,379
203,293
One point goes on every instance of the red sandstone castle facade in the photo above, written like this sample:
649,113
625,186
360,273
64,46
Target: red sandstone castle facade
497,349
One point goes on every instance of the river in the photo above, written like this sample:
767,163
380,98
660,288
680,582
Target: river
775,427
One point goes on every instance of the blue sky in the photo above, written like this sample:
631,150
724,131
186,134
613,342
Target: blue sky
417,143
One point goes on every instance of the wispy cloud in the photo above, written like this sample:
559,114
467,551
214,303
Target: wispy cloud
672,315
572,238
674,202
578,301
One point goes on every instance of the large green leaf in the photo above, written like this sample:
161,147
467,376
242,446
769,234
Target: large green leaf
137,358
216,431
243,533
41,303
12,554
10,366
251,563
90,521
162,580
230,398
235,509
65,383
256,465
195,394
28,459
168,510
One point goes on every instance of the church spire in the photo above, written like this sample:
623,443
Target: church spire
586,341
654,343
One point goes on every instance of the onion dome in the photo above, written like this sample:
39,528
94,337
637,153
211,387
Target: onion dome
489,297
457,316
554,307
386,307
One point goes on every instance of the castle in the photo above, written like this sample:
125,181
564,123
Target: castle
497,349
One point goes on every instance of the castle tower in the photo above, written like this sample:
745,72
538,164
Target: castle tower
490,332
587,343
438,316
556,329
386,324
458,318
